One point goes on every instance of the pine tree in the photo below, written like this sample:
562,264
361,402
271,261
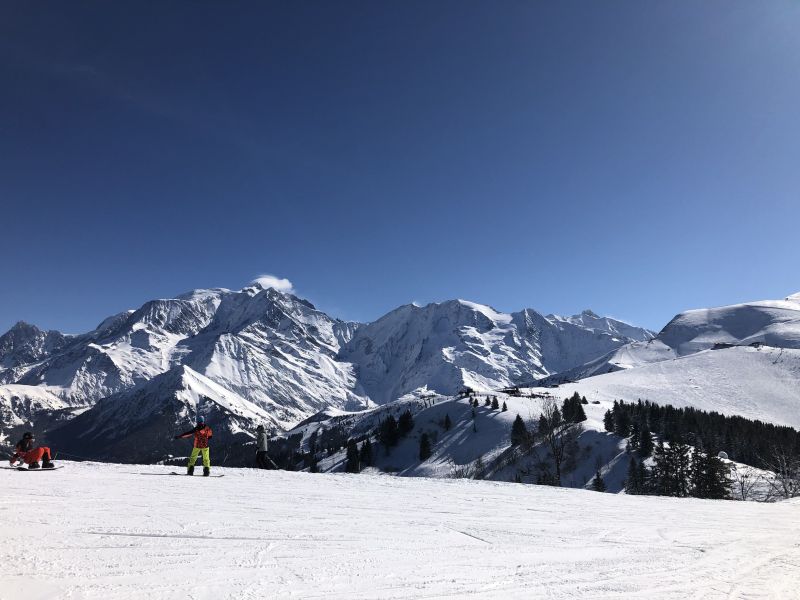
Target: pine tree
447,422
598,485
645,442
487,402
495,405
387,432
353,465
632,483
608,421
579,413
681,461
710,477
519,433
555,420
622,421
365,455
405,424
505,408
424,447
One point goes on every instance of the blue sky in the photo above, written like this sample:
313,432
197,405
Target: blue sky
637,158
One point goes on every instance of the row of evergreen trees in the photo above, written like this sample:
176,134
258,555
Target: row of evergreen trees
744,440
390,431
489,402
679,472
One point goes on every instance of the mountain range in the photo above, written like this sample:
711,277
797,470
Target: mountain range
260,355
266,355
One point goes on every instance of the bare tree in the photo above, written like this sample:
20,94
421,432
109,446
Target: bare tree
559,437
786,468
744,482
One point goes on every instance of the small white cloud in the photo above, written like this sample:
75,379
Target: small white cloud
270,281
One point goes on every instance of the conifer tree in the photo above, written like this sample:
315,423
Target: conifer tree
645,442
353,465
505,408
579,413
365,455
424,447
632,485
598,485
622,421
387,432
608,421
487,402
405,424
447,422
519,432
495,405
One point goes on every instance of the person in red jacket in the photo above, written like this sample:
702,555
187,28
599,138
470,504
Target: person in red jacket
201,433
25,451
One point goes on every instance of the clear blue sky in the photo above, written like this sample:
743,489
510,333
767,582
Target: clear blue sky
638,158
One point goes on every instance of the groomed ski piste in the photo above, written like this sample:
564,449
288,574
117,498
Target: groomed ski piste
105,531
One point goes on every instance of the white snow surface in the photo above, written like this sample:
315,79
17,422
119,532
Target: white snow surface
103,531
756,383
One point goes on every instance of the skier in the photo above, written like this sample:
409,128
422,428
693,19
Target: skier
24,450
261,448
201,433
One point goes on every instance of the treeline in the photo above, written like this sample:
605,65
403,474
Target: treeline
389,433
679,471
743,440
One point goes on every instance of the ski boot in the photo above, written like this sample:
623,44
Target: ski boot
34,465
190,470
47,463
206,471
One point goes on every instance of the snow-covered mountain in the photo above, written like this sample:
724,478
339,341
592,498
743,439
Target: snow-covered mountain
279,357
139,424
740,359
271,348
774,323
446,346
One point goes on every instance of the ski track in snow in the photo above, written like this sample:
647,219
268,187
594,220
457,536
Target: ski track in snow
99,531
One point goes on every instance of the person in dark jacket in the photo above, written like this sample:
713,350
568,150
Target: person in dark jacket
262,461
31,455
201,433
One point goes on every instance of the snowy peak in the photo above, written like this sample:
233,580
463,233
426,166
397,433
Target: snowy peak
25,343
773,323
448,345
590,320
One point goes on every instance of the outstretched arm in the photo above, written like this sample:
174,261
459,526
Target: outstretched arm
185,434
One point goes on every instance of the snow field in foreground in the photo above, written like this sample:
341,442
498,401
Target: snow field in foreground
104,531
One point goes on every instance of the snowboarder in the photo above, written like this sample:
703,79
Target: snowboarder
201,433
261,448
25,451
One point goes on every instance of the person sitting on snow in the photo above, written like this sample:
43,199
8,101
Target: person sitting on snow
201,433
31,456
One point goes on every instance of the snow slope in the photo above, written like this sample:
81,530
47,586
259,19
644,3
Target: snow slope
757,383
773,323
102,531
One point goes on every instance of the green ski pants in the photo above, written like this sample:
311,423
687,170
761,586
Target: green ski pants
193,457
